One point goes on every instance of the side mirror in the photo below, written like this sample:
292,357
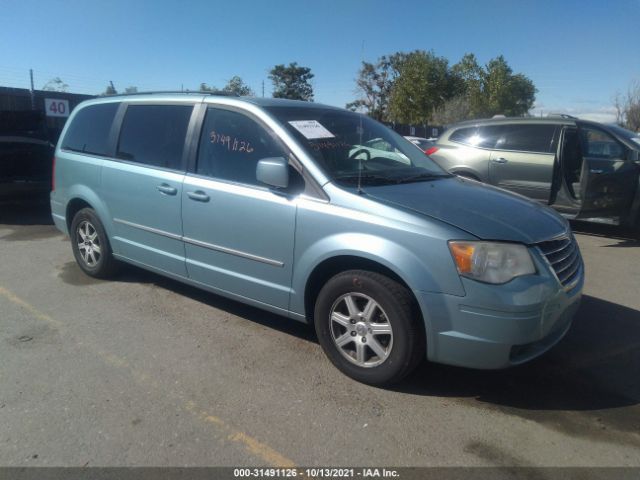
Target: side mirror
273,171
634,156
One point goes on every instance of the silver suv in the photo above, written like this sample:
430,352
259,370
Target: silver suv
583,169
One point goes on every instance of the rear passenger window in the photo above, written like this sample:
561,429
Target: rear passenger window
231,145
527,138
463,135
483,137
489,135
154,135
89,130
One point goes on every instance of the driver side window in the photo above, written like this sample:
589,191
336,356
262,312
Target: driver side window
231,144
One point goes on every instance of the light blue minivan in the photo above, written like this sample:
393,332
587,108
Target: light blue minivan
322,215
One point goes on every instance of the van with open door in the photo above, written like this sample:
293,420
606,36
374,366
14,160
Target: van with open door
585,170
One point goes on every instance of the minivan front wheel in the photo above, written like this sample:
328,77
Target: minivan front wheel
90,245
368,326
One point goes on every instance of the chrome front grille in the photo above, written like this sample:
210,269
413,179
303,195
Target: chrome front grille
563,256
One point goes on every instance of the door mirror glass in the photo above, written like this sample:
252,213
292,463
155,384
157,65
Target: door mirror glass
634,156
273,171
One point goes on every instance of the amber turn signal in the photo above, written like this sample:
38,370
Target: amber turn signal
462,255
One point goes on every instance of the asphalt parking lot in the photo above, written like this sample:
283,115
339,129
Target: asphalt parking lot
146,371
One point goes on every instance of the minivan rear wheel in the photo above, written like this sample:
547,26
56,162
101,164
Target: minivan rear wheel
369,327
90,245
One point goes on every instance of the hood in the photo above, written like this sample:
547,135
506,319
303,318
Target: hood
487,212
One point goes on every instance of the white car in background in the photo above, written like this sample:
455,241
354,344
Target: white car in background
424,144
378,148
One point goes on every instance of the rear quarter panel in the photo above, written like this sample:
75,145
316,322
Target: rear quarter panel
457,158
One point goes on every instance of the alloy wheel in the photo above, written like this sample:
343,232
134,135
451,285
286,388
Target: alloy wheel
88,243
361,330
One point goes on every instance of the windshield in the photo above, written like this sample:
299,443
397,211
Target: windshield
352,148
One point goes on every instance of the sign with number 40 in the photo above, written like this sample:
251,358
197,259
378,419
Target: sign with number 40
56,108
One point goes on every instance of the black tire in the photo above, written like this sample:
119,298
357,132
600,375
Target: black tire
95,262
395,306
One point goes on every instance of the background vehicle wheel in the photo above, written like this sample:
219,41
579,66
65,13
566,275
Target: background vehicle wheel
91,246
369,327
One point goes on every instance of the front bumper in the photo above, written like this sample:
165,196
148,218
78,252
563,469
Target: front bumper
497,326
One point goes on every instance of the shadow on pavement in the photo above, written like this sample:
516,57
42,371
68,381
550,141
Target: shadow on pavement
579,387
291,327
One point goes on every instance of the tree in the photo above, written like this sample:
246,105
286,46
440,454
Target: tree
55,85
505,93
493,89
419,87
423,84
452,110
206,88
292,82
237,87
110,90
374,84
467,78
628,107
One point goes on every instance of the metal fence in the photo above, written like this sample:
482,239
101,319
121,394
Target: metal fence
51,109
424,131
21,100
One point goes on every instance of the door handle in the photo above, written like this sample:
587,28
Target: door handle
597,171
499,160
167,189
198,196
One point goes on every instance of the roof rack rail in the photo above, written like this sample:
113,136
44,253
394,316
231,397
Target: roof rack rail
562,115
200,92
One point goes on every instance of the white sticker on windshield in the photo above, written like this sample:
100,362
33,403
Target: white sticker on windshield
311,129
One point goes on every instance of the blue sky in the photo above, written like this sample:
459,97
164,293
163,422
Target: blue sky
577,52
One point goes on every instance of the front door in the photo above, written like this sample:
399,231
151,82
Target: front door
608,179
238,234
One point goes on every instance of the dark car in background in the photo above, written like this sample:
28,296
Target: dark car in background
25,156
585,170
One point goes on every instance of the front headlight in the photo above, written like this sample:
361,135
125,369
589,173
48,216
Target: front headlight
491,262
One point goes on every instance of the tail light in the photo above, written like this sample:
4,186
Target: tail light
53,174
431,150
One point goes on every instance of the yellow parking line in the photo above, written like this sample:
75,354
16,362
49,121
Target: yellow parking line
252,445
261,450
29,308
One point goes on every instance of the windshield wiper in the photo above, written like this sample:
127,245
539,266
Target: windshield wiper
421,177
368,178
